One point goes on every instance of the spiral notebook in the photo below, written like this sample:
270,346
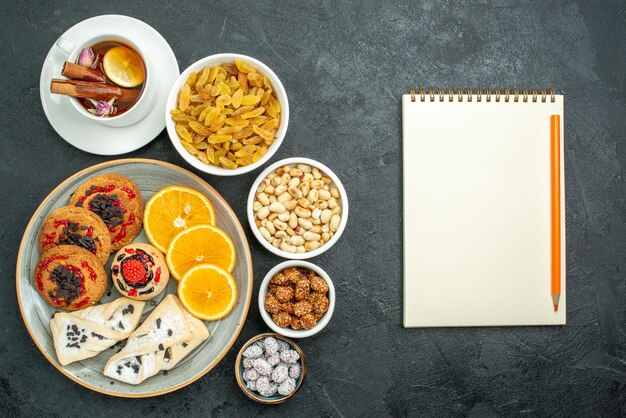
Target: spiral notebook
477,207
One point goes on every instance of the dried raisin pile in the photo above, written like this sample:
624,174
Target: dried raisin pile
227,115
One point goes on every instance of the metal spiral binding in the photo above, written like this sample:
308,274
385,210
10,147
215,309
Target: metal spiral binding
487,94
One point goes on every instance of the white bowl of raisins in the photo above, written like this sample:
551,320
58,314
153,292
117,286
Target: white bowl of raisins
297,299
227,143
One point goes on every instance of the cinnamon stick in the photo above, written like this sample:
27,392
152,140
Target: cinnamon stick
95,91
78,72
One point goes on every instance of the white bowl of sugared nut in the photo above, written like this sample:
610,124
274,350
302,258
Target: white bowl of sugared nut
296,299
297,208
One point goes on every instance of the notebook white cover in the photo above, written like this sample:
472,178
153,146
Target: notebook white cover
477,230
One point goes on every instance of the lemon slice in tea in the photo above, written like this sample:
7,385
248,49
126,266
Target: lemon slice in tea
123,66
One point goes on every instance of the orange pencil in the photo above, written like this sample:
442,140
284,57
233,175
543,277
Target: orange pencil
555,168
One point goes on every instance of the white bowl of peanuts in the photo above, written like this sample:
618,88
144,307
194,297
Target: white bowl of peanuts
224,120
297,208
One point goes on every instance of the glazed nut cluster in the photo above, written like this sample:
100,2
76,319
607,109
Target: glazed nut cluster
297,298
297,209
270,367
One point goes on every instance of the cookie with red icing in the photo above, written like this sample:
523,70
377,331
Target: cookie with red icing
117,201
70,225
139,271
70,277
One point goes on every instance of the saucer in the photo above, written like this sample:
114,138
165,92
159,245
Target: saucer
94,137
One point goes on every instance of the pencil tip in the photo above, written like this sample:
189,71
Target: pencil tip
556,307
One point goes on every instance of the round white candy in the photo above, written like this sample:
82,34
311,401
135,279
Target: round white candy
288,386
247,363
280,373
294,371
274,359
289,356
251,384
262,366
254,351
250,374
262,384
271,345
282,346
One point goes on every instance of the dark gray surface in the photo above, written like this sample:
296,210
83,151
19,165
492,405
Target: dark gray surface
344,66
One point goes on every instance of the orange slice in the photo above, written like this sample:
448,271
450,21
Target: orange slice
208,292
123,66
172,210
200,244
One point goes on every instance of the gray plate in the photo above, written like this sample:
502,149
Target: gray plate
150,176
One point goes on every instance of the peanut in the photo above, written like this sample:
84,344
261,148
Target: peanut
293,220
294,182
312,196
263,199
296,240
326,215
262,186
302,213
263,212
277,207
305,187
287,247
291,204
304,167
311,236
280,189
311,245
317,184
323,194
280,225
295,172
269,226
266,234
304,202
295,192
305,223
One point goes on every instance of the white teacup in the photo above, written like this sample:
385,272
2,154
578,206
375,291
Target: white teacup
146,100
